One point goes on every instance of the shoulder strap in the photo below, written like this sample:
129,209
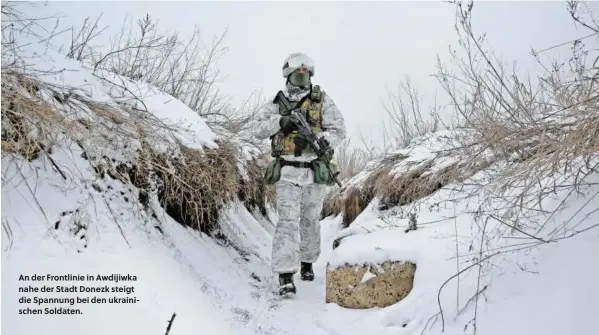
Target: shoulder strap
306,97
297,104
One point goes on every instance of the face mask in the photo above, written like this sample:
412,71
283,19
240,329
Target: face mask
299,79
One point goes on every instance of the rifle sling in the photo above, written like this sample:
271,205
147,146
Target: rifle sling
297,104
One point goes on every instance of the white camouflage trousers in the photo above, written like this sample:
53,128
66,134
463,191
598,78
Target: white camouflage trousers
297,235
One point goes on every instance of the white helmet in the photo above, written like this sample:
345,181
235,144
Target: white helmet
295,61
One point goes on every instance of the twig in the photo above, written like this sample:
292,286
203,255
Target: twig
55,165
519,230
480,267
435,316
170,323
116,222
475,296
449,279
457,252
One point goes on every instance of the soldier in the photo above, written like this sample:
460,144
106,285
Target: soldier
300,187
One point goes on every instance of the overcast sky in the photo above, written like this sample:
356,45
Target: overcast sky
359,47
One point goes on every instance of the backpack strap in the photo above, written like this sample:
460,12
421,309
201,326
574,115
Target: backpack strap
301,101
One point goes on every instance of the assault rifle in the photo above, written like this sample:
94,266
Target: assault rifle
320,147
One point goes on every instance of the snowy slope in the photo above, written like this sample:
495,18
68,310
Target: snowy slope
544,285
431,155
60,218
71,222
69,78
529,287
110,238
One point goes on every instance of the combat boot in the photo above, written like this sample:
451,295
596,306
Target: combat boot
306,272
286,285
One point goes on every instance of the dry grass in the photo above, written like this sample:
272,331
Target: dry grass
544,131
349,201
195,188
541,128
537,129
254,193
350,159
22,114
191,185
393,189
119,140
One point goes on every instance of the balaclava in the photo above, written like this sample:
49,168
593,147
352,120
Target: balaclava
298,85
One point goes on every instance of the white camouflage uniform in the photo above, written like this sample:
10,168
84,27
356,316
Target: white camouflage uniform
299,199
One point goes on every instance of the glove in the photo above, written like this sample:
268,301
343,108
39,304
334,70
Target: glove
288,123
324,144
301,142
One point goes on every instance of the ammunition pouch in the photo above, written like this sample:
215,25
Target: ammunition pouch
277,144
273,171
322,174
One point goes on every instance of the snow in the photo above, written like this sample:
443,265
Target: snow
193,132
164,285
431,152
519,283
228,290
86,225
367,276
70,77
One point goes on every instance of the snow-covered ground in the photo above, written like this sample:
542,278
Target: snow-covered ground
528,287
83,225
213,287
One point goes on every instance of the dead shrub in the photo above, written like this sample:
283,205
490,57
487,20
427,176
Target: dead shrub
405,112
538,127
350,202
252,191
397,189
22,113
195,188
543,131
350,159
191,185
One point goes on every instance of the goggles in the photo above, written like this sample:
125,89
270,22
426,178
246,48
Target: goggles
300,61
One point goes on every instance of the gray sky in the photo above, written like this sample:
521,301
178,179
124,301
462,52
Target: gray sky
359,47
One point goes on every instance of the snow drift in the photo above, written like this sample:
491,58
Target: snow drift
88,161
485,263
513,274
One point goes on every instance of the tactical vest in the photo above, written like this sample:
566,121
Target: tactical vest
311,105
